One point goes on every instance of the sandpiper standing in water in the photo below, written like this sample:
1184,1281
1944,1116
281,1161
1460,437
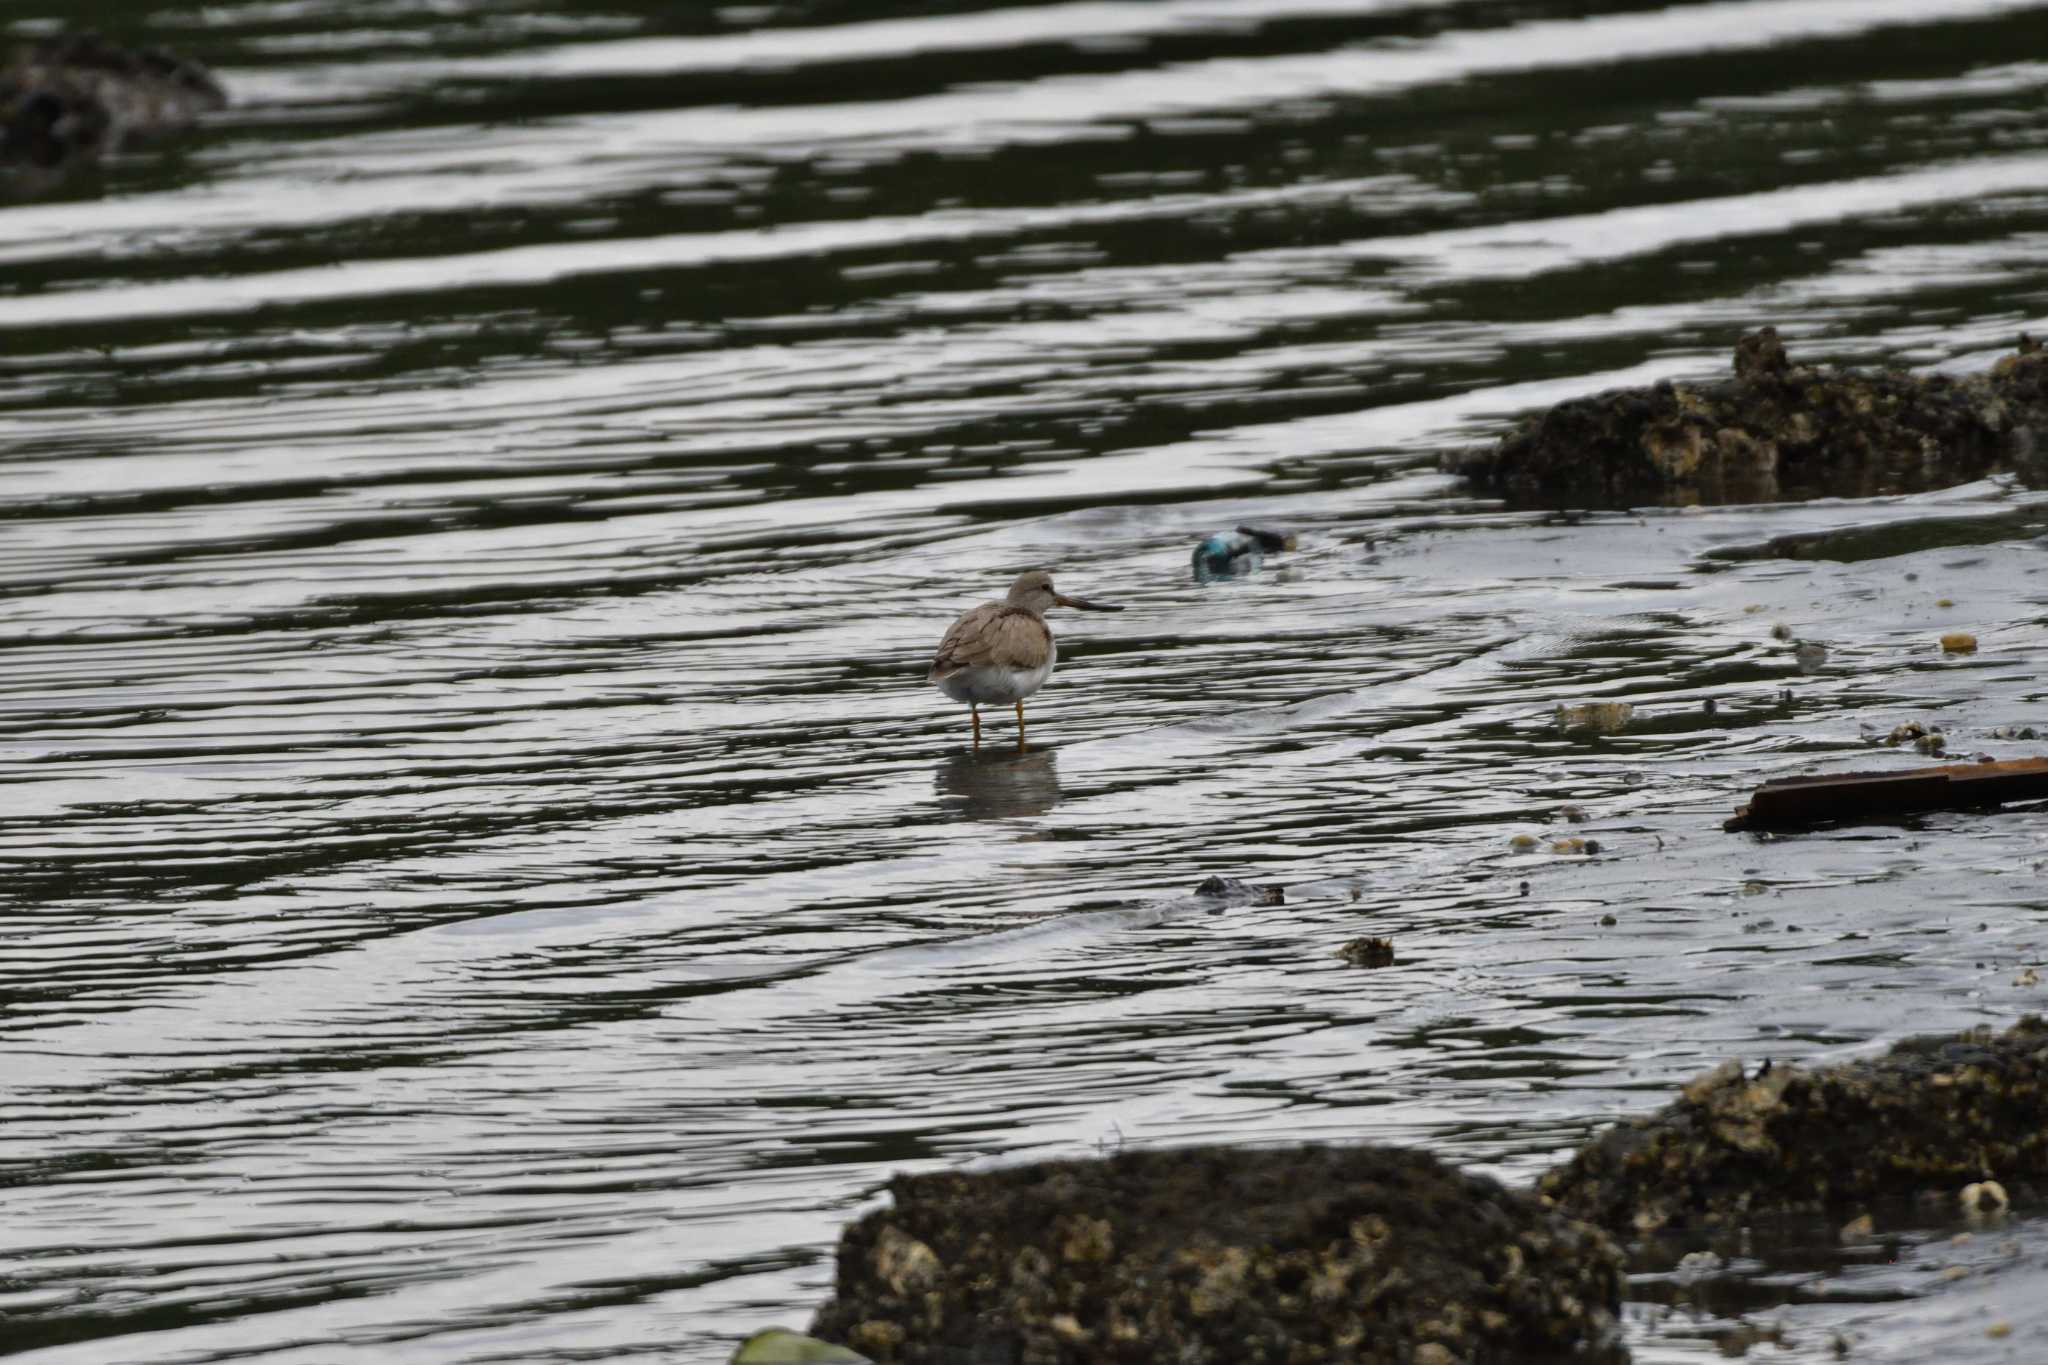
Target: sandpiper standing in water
1004,651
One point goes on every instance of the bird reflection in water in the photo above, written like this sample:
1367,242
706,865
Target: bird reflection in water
998,784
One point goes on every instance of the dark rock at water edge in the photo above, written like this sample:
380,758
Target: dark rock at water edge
1932,1115
1370,1254
1225,1256
1777,430
75,97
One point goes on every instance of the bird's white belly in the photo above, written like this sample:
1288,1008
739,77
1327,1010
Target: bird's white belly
989,685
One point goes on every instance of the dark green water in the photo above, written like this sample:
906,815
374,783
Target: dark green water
482,876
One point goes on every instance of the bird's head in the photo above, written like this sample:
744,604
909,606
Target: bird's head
1034,592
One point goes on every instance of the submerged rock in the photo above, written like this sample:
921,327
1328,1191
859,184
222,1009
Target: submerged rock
1369,951
1595,717
1235,892
1778,430
1219,1256
1933,1114
74,97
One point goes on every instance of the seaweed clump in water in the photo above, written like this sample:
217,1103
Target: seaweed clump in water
1778,430
75,97
1213,1254
1932,1115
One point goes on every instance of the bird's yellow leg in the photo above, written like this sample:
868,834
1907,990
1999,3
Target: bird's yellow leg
975,711
1020,727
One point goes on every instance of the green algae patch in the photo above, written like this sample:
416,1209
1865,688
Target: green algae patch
1213,1254
780,1346
1933,1115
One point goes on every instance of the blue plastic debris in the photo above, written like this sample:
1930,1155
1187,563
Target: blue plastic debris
1228,554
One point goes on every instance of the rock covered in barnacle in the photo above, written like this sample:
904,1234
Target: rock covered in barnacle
1776,430
1216,1256
76,96
1933,1114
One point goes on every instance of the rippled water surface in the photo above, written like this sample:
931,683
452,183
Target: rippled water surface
482,876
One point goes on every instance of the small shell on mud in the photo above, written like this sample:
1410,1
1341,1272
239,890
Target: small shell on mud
905,1264
1522,843
1985,1197
1595,717
1905,733
2027,977
1959,642
1859,1229
1695,1266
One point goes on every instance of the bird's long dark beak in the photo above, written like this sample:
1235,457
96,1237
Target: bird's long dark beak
1083,603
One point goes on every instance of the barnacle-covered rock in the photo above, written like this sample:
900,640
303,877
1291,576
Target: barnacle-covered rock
1223,1255
1933,1114
1777,430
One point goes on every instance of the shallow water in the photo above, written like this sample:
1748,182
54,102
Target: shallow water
482,877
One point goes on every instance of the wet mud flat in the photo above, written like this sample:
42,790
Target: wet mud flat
488,879
1376,1254
1301,1254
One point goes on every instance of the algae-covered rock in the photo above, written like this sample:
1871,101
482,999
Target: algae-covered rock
1778,430
75,96
1933,1114
1368,951
1224,1256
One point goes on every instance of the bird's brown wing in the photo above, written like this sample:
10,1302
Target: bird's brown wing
992,634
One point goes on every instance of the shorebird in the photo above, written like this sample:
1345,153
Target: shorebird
1003,651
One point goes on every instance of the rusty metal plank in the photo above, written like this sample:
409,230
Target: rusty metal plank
1792,802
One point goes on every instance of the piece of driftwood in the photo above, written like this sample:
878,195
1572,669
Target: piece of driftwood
1793,802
